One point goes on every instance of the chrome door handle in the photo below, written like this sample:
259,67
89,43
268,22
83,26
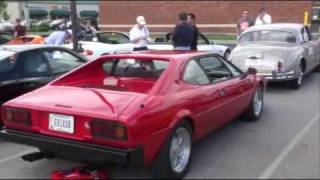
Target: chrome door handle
222,92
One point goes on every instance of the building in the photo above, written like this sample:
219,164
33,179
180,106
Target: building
50,9
212,16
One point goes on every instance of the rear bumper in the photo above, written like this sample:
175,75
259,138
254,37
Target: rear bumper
278,76
75,150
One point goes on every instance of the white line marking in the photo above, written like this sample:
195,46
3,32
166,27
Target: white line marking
16,155
276,162
292,104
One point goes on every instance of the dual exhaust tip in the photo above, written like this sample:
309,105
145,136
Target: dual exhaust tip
35,156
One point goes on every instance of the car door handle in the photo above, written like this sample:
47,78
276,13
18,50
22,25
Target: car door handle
223,92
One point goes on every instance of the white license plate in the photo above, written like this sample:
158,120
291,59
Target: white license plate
61,123
256,62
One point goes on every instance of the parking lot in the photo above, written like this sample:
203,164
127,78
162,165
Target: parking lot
283,144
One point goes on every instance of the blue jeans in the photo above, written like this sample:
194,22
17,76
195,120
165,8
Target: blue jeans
184,48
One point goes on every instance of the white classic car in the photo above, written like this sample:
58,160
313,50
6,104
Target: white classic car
280,52
118,42
105,43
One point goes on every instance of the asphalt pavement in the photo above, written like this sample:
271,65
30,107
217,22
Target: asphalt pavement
284,143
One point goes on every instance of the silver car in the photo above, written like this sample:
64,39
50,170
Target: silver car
280,52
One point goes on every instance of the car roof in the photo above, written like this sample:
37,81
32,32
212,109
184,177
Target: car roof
292,27
27,47
163,54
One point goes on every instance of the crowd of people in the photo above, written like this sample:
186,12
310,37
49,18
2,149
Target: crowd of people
184,35
245,21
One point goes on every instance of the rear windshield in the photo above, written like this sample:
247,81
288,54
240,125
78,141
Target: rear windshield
129,75
7,60
268,35
135,68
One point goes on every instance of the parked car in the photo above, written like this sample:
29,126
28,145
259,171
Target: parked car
142,109
105,43
6,26
280,52
28,39
24,68
5,37
164,43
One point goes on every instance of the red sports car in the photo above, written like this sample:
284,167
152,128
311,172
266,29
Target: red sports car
139,109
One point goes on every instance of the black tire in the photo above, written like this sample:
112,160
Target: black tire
162,168
297,83
250,114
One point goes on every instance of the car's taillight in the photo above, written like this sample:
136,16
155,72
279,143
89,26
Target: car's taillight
108,130
17,117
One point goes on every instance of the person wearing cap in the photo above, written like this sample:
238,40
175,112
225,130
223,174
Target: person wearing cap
183,32
58,37
139,35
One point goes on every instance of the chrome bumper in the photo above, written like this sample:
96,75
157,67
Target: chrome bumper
279,76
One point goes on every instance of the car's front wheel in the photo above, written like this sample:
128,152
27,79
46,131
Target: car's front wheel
174,158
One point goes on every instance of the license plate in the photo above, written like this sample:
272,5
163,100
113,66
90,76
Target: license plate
61,123
256,62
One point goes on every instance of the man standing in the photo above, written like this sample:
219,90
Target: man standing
192,22
263,17
139,35
182,35
19,30
244,22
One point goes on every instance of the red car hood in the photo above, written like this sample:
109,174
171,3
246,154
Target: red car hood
81,101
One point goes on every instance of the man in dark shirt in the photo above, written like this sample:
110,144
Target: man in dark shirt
182,35
19,30
192,22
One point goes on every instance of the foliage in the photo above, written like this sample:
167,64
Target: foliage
3,10
44,27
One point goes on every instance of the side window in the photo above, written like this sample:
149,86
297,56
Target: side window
232,68
215,69
33,63
61,61
194,74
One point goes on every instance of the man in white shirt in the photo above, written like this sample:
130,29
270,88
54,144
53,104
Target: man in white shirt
263,17
58,37
139,35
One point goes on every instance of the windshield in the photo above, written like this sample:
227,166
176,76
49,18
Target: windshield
7,60
268,35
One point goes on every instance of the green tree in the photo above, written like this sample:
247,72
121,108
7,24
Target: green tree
3,10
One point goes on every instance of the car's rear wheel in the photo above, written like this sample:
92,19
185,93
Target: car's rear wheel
296,83
255,108
174,158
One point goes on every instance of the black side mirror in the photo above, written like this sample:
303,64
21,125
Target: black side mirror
252,71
